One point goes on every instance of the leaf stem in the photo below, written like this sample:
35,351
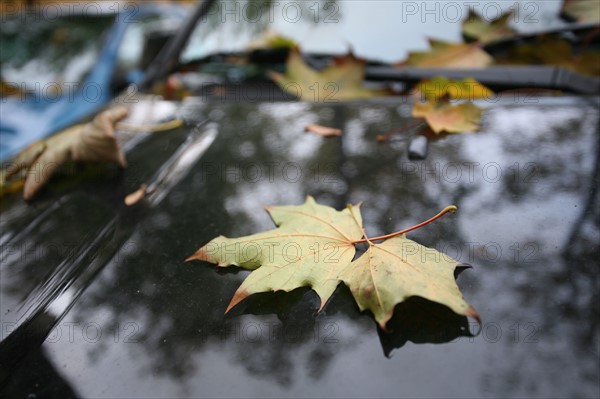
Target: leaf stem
366,239
450,208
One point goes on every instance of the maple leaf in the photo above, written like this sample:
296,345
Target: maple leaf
94,141
440,86
441,116
310,247
341,81
388,273
314,246
449,55
476,28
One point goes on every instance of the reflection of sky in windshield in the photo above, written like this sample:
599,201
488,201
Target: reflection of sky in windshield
384,30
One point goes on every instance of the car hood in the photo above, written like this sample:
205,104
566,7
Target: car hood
97,294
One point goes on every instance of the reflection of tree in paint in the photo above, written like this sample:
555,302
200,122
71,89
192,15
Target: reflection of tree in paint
179,307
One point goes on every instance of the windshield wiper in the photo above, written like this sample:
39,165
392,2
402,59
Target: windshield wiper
497,78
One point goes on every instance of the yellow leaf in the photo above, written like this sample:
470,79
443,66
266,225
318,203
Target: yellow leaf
466,89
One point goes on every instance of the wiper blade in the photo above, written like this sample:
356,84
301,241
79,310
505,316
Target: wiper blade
168,57
504,77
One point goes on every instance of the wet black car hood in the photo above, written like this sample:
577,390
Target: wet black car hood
97,301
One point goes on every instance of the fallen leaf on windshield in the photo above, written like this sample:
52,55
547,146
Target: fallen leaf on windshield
314,246
475,28
449,55
553,50
94,141
442,116
583,11
341,81
323,131
466,89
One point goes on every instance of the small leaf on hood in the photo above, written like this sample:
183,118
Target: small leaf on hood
136,196
323,131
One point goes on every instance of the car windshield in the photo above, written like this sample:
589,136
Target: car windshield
379,30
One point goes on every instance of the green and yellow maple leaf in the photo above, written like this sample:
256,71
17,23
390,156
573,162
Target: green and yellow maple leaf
314,246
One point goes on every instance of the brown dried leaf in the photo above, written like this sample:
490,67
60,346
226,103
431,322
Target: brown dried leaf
136,196
341,81
323,131
94,141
